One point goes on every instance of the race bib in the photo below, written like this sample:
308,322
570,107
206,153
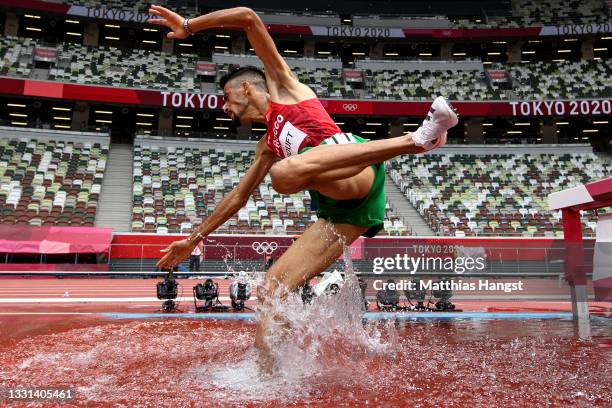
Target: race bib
291,138
340,138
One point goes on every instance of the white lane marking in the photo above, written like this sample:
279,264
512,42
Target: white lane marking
52,292
44,313
99,300
89,289
83,300
86,288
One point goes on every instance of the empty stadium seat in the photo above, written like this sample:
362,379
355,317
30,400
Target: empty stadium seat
175,187
156,70
426,85
557,80
16,56
53,182
500,194
139,5
121,67
526,13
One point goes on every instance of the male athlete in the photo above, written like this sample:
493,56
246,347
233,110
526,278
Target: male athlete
302,149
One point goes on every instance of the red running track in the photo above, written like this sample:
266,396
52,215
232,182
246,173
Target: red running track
139,295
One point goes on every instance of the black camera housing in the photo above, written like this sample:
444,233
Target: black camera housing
388,299
168,289
207,291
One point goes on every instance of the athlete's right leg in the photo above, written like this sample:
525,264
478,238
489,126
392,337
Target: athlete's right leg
311,254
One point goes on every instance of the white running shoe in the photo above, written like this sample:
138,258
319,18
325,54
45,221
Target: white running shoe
432,132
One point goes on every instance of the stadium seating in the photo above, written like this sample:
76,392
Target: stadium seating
326,83
16,56
114,4
122,67
501,194
155,70
538,80
557,80
50,182
139,5
524,13
422,85
175,187
528,13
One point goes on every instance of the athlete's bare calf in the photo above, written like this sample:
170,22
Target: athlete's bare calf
322,167
313,252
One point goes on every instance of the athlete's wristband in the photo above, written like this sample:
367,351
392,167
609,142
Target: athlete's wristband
195,238
186,26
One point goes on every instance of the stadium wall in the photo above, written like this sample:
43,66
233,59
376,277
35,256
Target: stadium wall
147,246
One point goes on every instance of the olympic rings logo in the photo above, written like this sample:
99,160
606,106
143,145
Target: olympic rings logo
350,107
264,247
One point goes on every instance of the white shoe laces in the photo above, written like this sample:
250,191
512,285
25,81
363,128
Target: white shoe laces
427,132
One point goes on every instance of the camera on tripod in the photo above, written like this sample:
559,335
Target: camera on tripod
388,299
239,293
209,293
168,290
418,295
443,295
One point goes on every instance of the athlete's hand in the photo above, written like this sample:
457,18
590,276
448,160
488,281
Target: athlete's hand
169,19
176,253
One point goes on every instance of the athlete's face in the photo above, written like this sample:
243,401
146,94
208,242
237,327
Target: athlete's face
236,99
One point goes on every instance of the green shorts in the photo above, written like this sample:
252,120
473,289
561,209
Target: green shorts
366,212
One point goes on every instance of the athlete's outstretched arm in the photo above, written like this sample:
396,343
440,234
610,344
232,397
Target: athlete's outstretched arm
275,66
178,251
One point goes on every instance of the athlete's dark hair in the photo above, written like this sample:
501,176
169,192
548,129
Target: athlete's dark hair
250,73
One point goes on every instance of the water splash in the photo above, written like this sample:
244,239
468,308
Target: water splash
325,339
327,333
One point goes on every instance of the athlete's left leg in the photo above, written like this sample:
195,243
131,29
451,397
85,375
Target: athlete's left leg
328,163
311,254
